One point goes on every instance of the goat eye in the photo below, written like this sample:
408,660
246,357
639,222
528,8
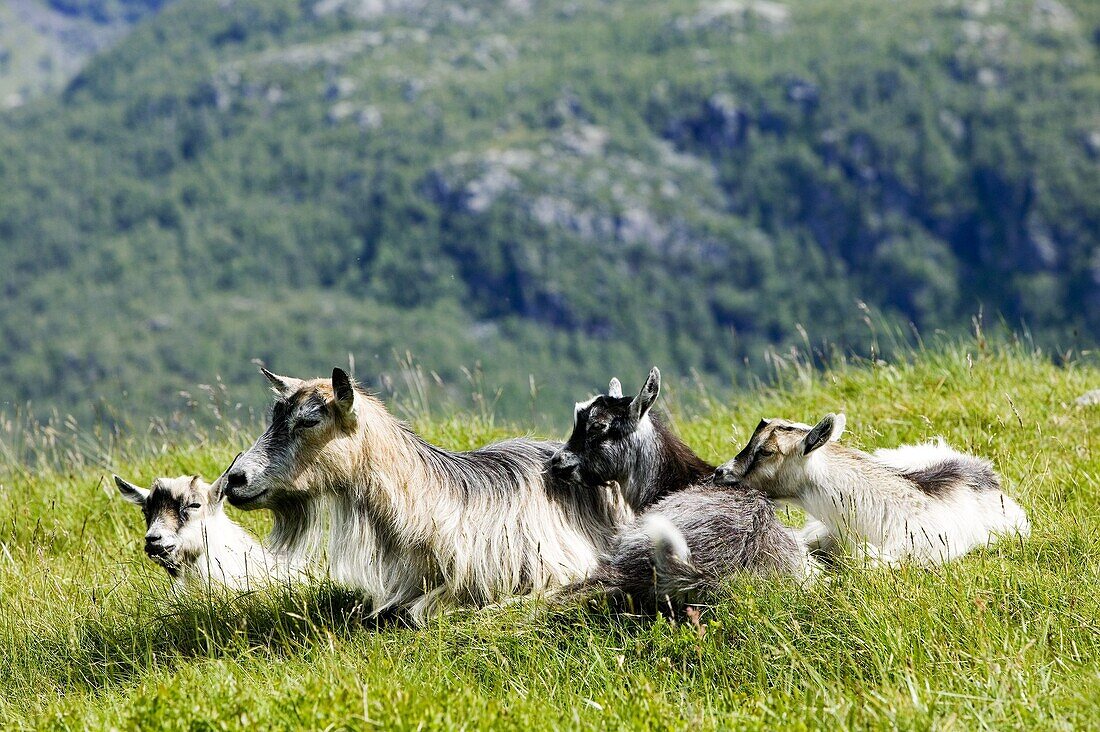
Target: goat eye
307,422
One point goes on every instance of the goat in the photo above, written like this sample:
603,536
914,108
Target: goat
191,537
924,503
615,439
690,534
414,527
686,545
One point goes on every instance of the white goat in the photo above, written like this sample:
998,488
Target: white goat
925,503
189,534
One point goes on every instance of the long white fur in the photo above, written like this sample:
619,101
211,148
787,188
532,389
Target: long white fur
815,535
404,534
224,553
457,552
883,518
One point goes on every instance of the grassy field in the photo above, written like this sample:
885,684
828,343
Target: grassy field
91,636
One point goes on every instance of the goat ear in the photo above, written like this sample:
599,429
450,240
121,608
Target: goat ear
838,426
132,493
281,385
344,391
615,388
212,492
821,433
216,491
647,395
217,488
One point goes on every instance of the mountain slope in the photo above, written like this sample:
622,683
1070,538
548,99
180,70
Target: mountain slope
563,191
44,43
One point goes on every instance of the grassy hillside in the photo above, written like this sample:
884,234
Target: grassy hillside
548,189
1007,638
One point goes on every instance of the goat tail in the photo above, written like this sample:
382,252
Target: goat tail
676,577
670,549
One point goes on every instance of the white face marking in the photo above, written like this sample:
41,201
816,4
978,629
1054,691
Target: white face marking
645,427
580,407
158,526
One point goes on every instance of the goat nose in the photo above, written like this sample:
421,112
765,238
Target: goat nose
723,476
236,479
562,463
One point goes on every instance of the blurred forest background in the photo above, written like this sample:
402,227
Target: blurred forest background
561,189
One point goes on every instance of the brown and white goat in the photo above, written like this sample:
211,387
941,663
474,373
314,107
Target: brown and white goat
415,527
924,503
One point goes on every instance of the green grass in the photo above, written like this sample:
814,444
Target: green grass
1009,637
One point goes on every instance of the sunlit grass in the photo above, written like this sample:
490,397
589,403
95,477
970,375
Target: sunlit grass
91,636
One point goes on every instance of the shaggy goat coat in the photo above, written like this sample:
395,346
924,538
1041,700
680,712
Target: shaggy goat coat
416,527
926,503
687,544
691,534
